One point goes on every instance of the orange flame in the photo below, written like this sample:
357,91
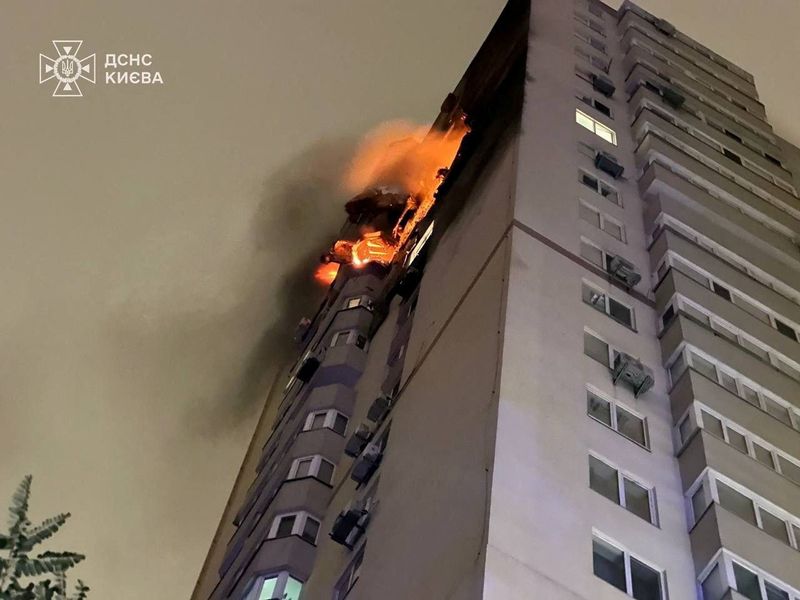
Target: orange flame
326,273
404,157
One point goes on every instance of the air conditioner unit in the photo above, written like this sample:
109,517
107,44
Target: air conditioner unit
608,164
664,27
351,523
632,372
379,408
623,271
308,368
603,85
367,463
358,441
672,97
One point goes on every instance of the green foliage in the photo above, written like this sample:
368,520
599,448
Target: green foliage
17,563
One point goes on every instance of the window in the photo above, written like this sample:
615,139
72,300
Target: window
282,586
357,301
592,253
312,466
350,336
605,304
729,573
773,160
595,348
621,489
625,572
721,290
300,523
602,221
620,419
596,104
785,330
348,579
330,419
600,187
595,127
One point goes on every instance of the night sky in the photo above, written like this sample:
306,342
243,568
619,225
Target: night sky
157,242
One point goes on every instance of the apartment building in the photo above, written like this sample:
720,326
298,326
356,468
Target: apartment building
580,377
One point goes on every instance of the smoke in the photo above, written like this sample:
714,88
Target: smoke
213,341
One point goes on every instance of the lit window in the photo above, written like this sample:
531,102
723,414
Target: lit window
282,586
620,419
625,572
330,419
621,489
595,127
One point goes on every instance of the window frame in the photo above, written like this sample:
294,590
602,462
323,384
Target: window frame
329,421
281,580
595,123
614,417
602,219
354,338
622,476
607,300
627,555
313,470
301,517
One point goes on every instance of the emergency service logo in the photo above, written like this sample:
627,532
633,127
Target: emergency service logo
67,69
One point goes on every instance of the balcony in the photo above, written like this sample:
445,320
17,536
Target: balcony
641,73
668,240
680,50
685,118
719,528
705,450
669,194
683,329
692,386
638,55
634,36
677,282
738,178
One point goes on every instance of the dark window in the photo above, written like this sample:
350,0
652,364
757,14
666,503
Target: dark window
589,181
598,408
285,526
602,108
734,157
652,87
340,424
667,316
730,134
609,564
325,472
785,330
620,312
722,291
310,530
773,160
646,582
603,479
746,582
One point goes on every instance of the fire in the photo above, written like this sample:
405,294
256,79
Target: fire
397,160
326,273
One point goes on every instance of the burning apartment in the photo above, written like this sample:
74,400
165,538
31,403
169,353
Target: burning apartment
559,354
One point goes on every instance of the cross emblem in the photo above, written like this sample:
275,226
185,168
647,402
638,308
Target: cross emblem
67,68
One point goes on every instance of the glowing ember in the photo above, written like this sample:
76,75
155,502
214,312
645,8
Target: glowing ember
397,157
326,273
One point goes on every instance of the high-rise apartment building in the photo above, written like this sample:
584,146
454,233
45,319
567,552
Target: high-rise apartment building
579,376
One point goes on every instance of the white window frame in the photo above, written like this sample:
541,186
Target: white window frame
313,471
606,308
602,220
613,404
627,558
282,579
330,420
358,301
622,475
300,519
352,338
593,125
672,260
685,351
600,184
